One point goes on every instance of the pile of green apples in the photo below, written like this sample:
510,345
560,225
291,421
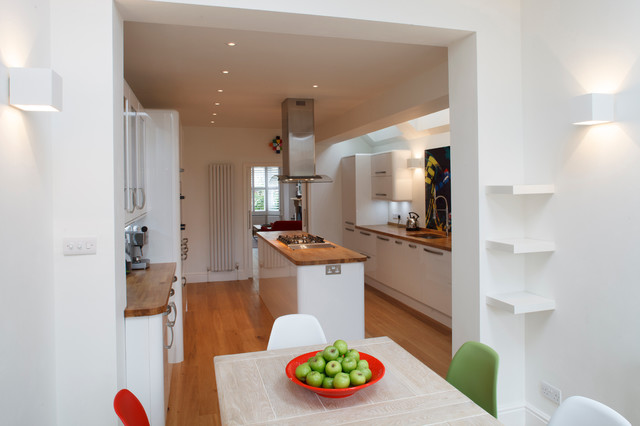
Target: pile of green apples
336,367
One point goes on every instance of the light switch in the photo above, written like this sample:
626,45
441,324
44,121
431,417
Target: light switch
79,246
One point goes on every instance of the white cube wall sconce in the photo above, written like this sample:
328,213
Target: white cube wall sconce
35,89
592,108
414,163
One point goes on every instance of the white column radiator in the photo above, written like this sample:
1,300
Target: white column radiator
220,217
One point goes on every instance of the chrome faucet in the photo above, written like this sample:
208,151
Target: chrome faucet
446,209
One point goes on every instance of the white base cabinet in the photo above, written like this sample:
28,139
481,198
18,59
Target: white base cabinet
148,371
417,275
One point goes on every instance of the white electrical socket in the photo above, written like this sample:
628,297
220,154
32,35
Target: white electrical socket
551,392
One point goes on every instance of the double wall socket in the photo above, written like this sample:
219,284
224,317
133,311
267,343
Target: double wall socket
332,270
551,392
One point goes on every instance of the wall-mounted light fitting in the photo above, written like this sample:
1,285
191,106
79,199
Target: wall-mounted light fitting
414,163
35,89
592,108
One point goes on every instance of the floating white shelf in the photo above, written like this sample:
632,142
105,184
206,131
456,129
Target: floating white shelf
521,245
521,189
521,302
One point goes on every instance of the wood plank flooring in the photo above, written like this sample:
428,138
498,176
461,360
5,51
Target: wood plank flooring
229,317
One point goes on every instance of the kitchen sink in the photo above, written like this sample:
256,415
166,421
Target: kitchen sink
429,236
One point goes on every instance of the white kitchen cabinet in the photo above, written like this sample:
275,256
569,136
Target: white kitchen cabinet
390,178
365,243
146,361
385,259
435,268
349,236
357,206
135,158
410,282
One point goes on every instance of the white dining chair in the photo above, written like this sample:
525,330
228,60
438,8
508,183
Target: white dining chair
293,330
578,410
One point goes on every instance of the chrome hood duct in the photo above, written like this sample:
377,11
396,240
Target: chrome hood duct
299,143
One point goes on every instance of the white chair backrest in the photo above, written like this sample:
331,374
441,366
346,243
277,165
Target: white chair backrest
578,410
296,330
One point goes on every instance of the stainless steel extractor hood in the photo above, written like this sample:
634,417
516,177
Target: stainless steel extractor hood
298,143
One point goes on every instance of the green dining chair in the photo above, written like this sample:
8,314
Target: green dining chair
474,372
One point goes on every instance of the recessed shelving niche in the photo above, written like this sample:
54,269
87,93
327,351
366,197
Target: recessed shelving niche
521,302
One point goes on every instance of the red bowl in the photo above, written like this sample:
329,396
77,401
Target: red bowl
376,367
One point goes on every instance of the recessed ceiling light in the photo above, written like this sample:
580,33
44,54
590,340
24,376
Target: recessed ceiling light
215,113
212,121
315,86
231,43
217,104
225,72
220,90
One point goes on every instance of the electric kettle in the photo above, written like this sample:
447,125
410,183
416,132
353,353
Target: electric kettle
412,222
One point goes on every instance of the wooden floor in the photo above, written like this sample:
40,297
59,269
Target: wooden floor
229,317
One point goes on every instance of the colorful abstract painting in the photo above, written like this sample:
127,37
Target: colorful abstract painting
437,183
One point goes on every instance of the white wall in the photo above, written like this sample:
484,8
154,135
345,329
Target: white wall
589,345
27,375
201,147
89,297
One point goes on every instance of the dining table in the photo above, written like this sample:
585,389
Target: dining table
254,389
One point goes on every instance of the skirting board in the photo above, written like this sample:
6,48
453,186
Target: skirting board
522,416
204,277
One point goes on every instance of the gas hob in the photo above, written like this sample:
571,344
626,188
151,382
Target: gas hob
304,241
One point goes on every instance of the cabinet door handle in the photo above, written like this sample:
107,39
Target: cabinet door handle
349,229
170,327
382,238
365,233
412,245
381,195
439,253
398,242
349,223
381,172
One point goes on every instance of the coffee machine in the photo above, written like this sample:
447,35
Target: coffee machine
135,238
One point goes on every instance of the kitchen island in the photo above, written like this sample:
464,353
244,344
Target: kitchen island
327,282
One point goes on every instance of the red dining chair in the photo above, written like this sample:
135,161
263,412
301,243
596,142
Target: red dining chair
129,409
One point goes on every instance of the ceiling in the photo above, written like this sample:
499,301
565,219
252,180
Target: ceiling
180,67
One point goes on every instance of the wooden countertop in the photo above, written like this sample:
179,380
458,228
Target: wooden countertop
393,231
148,290
315,256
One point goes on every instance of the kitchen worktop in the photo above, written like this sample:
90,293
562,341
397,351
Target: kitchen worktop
394,231
312,256
148,289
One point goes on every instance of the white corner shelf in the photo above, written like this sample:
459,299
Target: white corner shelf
521,245
521,302
521,189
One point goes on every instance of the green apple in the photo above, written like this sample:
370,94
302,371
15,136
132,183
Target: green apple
341,381
357,378
341,345
330,353
362,364
348,364
354,354
315,379
302,370
327,383
332,368
367,373
317,363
